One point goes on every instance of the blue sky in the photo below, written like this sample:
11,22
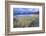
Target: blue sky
24,10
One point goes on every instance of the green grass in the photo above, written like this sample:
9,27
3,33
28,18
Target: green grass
26,21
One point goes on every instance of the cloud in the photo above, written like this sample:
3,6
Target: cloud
25,10
17,11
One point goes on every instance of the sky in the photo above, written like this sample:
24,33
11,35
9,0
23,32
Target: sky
18,11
